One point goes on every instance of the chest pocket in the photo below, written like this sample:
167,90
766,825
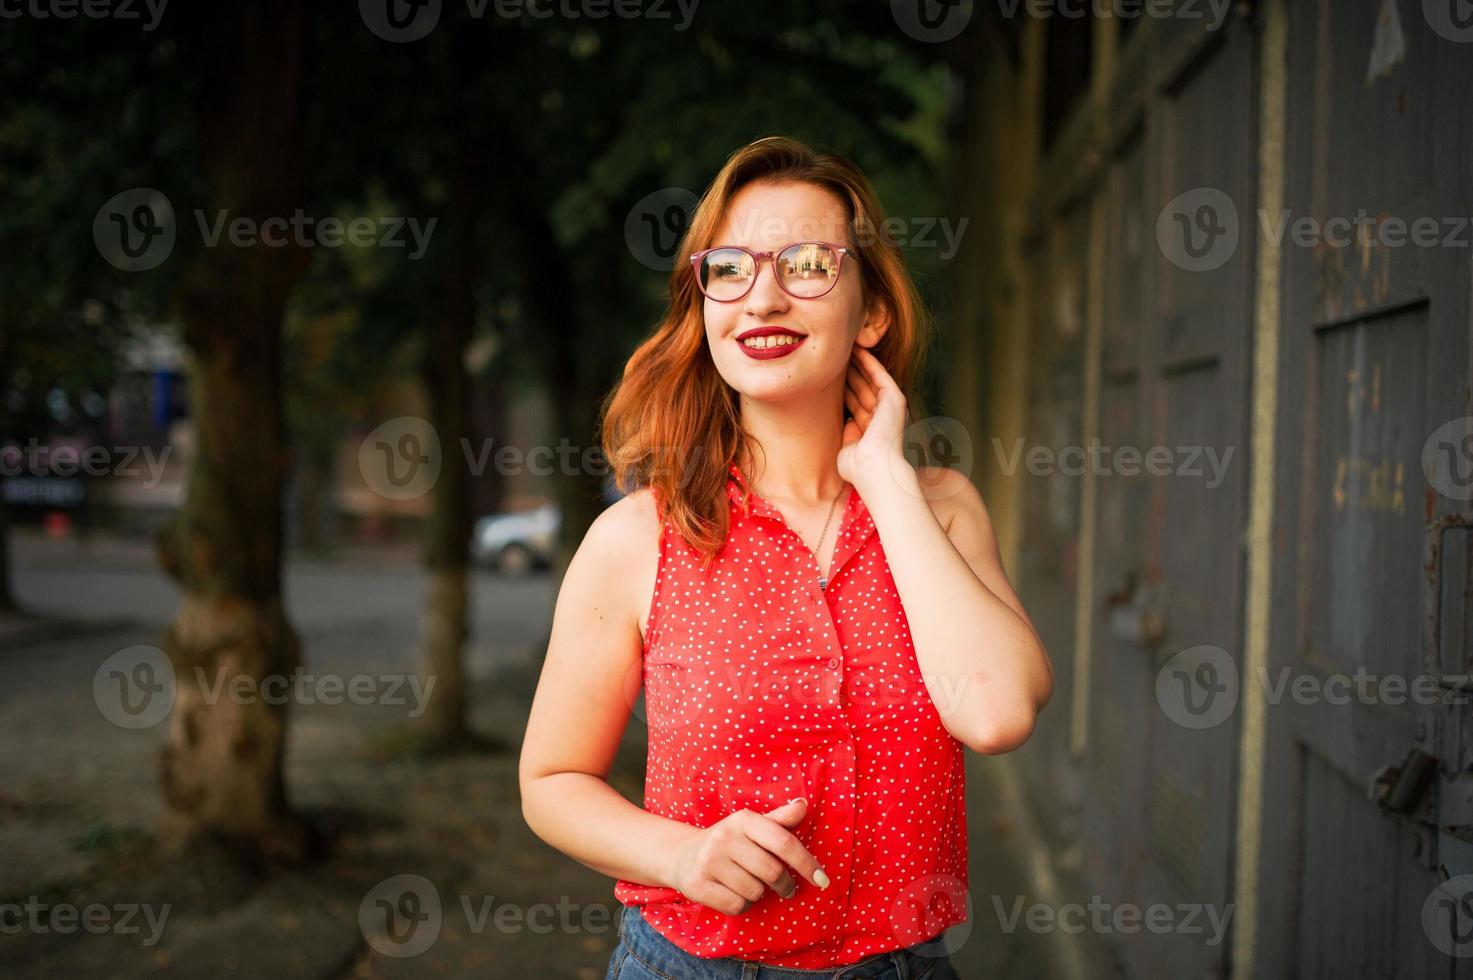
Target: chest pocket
676,688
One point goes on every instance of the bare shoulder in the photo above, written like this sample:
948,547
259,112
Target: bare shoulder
952,494
627,520
622,549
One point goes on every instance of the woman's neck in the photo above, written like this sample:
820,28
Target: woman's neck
799,447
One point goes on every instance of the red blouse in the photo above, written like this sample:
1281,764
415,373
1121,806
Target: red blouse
761,686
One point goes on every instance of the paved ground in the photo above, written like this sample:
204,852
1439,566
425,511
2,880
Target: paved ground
79,802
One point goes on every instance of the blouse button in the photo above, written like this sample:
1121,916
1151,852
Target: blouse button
833,663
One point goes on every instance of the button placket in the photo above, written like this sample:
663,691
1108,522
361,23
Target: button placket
825,615
841,755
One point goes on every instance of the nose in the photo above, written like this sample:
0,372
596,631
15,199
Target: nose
766,296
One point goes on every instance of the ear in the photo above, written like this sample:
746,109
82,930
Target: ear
877,320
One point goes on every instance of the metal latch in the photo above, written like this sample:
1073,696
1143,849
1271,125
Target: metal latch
1399,789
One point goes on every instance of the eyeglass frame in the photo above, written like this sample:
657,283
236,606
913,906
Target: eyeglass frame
695,260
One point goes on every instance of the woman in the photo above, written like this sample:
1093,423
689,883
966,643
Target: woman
819,627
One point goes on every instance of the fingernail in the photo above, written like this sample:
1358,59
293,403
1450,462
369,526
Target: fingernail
820,879
797,799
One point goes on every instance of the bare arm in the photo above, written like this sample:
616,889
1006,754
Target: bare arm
584,698
966,594
589,684
968,626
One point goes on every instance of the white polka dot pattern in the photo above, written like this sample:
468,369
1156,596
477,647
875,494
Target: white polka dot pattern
759,687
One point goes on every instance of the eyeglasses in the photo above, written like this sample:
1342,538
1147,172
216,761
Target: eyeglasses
806,270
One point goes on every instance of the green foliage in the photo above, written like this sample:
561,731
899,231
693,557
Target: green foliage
88,113
527,140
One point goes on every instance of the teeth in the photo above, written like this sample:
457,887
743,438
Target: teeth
771,340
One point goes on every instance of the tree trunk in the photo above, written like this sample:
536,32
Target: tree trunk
580,497
7,594
315,532
568,350
443,632
444,623
222,766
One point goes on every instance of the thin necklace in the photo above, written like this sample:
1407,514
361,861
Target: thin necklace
823,580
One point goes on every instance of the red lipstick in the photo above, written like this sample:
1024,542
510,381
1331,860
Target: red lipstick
772,348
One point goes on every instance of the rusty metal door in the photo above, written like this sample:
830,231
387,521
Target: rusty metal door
1163,745
1367,768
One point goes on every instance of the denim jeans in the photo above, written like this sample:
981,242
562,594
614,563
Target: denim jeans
644,954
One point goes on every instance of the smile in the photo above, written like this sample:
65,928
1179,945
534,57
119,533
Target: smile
766,345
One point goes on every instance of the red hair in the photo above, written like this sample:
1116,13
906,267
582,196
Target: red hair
671,422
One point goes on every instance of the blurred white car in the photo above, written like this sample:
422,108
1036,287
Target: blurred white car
514,544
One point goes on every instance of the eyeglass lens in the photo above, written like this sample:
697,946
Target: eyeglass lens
805,270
